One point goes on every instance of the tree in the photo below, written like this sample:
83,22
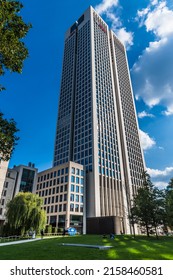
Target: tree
148,206
12,30
8,138
12,54
24,212
169,204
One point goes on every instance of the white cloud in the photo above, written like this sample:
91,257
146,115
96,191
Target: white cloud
160,184
144,114
160,178
153,70
125,37
154,2
107,7
160,20
152,74
160,173
146,141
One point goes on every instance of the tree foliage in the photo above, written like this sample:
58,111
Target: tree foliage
148,206
12,30
12,54
24,212
8,138
169,204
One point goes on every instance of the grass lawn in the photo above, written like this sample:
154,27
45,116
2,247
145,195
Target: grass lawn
124,248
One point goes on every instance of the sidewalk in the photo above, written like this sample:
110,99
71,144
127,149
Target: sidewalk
19,242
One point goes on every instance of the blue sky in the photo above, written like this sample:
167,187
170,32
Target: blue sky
146,28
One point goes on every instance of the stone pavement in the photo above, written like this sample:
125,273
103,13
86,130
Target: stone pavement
19,242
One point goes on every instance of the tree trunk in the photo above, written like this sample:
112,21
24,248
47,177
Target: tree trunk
156,233
147,228
133,230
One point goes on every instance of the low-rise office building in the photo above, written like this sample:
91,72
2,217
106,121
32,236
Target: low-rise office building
63,191
3,171
18,179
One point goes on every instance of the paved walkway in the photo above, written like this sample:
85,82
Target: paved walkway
19,242
101,247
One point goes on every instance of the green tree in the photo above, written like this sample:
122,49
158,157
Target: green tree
148,206
12,30
8,138
24,212
169,204
13,52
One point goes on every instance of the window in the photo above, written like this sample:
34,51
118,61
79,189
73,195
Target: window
76,208
66,179
72,188
72,179
82,181
60,208
77,180
57,189
73,170
77,171
66,170
72,197
77,189
71,207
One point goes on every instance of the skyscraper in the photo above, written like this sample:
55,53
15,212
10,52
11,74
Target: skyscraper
97,124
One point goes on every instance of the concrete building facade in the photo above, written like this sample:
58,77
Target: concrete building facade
18,179
97,125
63,191
3,171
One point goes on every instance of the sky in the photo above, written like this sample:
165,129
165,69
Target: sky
31,98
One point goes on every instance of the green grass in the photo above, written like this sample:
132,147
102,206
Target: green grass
124,248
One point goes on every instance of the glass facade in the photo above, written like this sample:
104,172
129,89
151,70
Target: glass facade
27,180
